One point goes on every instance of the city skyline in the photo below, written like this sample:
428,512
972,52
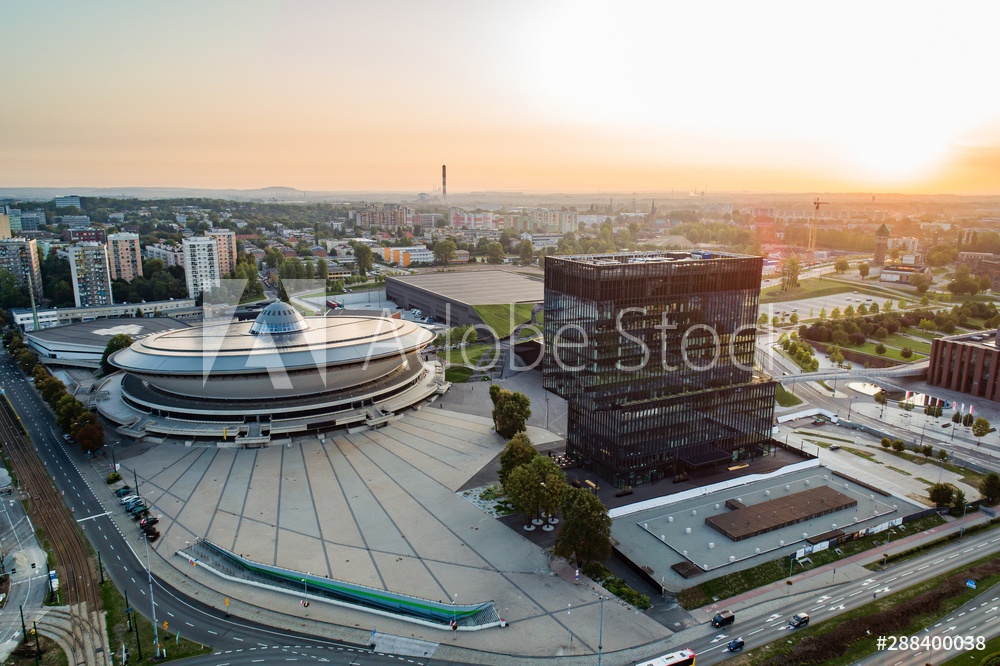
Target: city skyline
559,96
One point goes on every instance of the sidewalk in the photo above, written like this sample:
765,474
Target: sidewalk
754,602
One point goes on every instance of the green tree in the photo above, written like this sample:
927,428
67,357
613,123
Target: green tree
364,261
942,455
886,443
880,349
494,253
511,410
864,269
527,253
790,268
762,319
444,252
794,319
989,487
941,494
921,282
927,450
841,265
967,420
956,418
822,313
524,492
585,533
68,409
116,343
906,352
519,451
898,446
836,356
980,428
958,501
835,313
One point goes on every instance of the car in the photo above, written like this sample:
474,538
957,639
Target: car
795,309
127,498
855,291
123,491
723,618
799,620
834,447
152,520
735,645
945,425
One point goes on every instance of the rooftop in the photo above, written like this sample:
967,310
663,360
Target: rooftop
478,287
98,332
665,257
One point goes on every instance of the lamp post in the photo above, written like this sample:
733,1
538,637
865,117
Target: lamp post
156,635
850,403
305,584
965,508
600,632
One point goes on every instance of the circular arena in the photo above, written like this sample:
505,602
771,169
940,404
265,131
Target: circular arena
278,375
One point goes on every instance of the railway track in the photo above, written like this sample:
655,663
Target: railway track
79,589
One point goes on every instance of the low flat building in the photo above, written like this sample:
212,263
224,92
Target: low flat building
50,317
903,273
83,344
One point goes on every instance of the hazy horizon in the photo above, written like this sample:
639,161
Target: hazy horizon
576,97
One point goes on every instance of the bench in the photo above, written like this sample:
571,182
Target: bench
592,485
736,467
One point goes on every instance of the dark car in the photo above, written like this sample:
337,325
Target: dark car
123,491
149,522
799,620
723,618
735,645
834,447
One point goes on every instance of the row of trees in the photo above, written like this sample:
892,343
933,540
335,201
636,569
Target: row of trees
71,415
456,336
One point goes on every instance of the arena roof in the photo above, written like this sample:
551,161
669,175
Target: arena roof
479,287
98,332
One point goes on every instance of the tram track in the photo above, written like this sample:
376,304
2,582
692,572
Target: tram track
79,590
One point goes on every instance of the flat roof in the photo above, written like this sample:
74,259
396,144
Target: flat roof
98,332
478,287
661,257
773,514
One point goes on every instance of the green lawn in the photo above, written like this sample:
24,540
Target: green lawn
794,360
786,398
468,355
457,374
499,318
898,340
807,289
118,631
890,352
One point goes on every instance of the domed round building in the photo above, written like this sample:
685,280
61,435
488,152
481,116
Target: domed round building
278,375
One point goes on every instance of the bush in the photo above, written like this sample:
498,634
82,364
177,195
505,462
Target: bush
114,477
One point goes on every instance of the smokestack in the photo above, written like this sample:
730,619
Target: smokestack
444,181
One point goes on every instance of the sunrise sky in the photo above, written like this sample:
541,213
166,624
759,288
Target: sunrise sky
513,95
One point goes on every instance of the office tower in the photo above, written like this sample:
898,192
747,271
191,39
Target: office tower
88,264
201,265
19,256
226,240
124,256
31,220
67,202
654,354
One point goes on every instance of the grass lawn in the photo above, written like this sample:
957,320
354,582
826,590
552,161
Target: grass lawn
868,455
500,318
896,469
457,374
898,340
467,355
739,582
977,658
813,433
793,359
867,645
920,333
808,288
786,398
890,352
52,654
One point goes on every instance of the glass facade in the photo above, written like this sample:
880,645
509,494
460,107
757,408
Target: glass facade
654,353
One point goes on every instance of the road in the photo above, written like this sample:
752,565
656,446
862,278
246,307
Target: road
20,549
976,618
122,562
836,599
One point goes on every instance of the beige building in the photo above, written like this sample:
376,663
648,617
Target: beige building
4,225
226,241
88,264
19,256
124,256
201,265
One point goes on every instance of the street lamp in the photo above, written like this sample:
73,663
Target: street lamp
850,403
600,632
305,584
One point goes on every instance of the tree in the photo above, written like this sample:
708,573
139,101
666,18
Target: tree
841,265
494,253
941,494
364,261
921,282
790,273
523,491
906,352
116,343
990,487
864,269
526,252
444,252
794,318
762,319
927,450
511,410
980,428
886,443
958,501
519,451
822,313
68,409
880,349
585,533
90,437
898,446
967,420
836,356
835,313
956,418
942,455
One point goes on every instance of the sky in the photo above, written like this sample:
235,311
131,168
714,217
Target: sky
540,95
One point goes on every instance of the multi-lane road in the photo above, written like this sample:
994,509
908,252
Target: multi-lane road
195,620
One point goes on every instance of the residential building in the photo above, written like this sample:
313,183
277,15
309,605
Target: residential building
4,225
390,216
201,265
968,363
170,255
73,221
89,234
88,263
67,202
19,256
32,220
226,241
477,220
116,218
905,244
542,241
404,256
124,256
654,354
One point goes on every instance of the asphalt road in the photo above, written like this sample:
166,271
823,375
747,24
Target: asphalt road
28,585
836,599
121,553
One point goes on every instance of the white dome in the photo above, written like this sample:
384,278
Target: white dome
278,317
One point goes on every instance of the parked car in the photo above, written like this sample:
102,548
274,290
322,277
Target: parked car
799,620
152,520
123,491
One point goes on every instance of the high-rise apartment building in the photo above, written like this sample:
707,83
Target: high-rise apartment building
19,256
226,240
29,220
654,354
388,216
124,256
4,225
170,255
201,265
88,264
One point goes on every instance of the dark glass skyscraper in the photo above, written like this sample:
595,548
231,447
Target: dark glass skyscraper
654,354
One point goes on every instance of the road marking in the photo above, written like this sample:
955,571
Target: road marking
892,579
755,632
856,593
923,567
938,561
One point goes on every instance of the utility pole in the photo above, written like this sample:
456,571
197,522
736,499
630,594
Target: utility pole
152,603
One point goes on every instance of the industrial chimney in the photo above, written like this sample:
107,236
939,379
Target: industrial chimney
444,182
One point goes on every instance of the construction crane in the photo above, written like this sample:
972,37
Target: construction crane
812,225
